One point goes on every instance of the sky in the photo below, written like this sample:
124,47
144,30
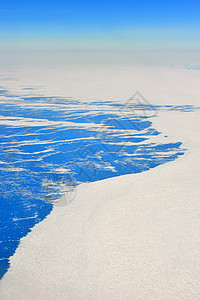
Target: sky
99,25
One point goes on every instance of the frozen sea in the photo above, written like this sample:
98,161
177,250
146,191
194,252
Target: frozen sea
49,145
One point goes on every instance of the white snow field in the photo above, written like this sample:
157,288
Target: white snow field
131,237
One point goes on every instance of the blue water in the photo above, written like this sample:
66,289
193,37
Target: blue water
49,145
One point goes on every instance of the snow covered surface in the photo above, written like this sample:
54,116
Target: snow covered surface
130,237
159,84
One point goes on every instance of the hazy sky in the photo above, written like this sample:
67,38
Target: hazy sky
105,32
99,24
